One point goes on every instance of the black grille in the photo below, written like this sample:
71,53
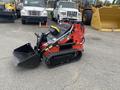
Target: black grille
71,14
34,13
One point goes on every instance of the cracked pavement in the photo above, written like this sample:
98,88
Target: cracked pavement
98,69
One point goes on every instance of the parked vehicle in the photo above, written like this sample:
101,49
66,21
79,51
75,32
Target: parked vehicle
66,10
7,11
33,11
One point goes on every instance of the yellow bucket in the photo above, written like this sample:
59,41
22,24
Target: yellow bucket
106,18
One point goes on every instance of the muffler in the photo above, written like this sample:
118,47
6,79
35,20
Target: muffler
27,56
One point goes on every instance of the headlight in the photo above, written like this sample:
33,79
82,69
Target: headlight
24,12
79,14
63,13
44,13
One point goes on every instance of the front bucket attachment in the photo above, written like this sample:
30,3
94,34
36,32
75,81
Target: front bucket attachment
27,57
106,18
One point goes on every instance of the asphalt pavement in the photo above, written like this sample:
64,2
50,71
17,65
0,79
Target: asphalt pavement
98,69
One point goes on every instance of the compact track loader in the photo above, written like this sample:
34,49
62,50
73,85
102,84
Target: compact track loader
61,44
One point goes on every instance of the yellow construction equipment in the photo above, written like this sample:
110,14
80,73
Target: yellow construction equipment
106,18
7,11
102,16
10,6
